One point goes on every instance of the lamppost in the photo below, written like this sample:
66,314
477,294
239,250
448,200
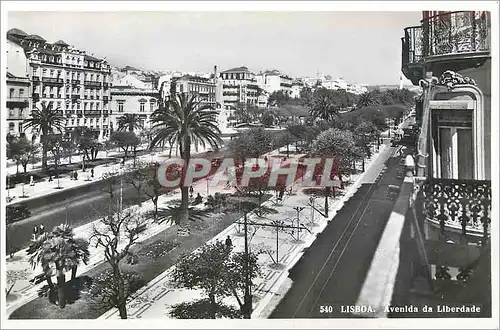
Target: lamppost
298,209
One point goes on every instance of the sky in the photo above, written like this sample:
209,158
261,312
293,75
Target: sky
360,47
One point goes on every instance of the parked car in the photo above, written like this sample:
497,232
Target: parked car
17,212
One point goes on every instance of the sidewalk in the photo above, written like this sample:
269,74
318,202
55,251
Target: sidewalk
157,298
19,266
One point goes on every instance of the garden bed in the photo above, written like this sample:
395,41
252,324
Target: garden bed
150,264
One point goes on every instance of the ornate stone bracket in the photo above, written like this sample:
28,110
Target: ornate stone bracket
450,78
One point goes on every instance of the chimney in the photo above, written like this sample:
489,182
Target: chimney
215,73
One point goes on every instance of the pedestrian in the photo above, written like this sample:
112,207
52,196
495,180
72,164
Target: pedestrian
191,191
92,172
50,178
32,183
35,232
42,229
229,243
76,175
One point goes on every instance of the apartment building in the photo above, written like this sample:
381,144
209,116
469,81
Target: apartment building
69,79
273,80
204,88
239,87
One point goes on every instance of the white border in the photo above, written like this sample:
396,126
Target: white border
271,6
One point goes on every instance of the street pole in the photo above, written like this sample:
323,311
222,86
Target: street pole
298,209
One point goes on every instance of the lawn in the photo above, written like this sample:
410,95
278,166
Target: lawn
151,263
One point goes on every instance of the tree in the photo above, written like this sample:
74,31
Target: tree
129,121
367,99
297,133
267,119
106,291
46,121
55,145
125,141
186,121
58,252
118,231
138,177
68,148
251,144
278,98
217,272
86,141
21,150
324,104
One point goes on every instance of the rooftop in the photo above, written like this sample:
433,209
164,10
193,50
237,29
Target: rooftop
239,69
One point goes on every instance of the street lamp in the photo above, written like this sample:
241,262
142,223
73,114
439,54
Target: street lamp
298,209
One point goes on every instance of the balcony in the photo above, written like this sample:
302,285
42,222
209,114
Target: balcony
53,81
79,113
92,113
458,206
105,113
456,32
92,84
75,82
19,103
444,37
75,97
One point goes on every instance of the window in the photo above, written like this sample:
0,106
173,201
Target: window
21,113
120,106
20,127
11,127
151,105
91,106
91,77
52,73
456,157
85,106
11,93
181,88
11,112
73,122
97,106
141,106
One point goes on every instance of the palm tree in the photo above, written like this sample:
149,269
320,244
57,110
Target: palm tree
367,99
324,104
59,252
185,121
45,121
129,121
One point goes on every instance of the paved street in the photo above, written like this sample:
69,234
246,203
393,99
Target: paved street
332,271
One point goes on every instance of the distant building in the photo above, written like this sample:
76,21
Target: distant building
75,83
204,88
239,87
297,86
273,80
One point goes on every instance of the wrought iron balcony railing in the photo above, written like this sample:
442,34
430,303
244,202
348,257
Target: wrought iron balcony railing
49,80
463,205
95,84
456,32
412,45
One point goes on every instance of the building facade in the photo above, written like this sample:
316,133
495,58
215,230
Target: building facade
273,80
239,87
204,88
18,104
132,100
68,79
441,218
